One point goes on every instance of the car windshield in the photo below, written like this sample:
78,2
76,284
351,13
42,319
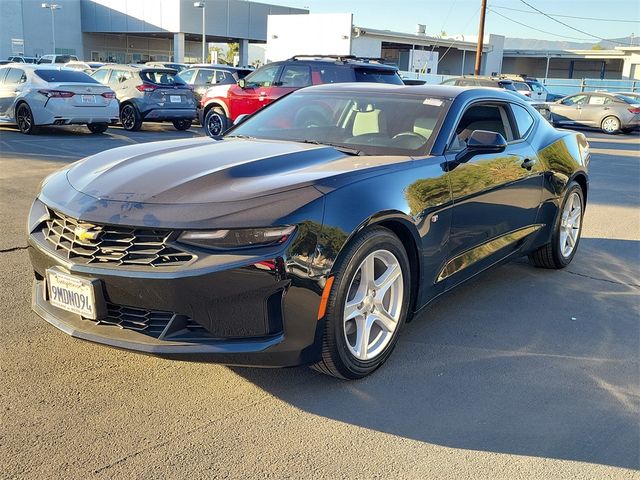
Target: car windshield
64,75
370,123
378,75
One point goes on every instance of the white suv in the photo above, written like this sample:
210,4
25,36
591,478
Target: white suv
57,58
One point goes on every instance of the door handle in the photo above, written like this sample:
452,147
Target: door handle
528,163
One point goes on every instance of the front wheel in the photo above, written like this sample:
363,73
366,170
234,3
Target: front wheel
98,127
367,305
24,119
563,245
215,122
182,124
610,125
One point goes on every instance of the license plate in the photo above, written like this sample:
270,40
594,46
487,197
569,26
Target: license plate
175,98
71,293
88,99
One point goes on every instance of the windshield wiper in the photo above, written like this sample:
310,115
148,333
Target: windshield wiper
340,148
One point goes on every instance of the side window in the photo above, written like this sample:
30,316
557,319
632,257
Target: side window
204,77
491,117
524,121
119,76
3,73
335,74
101,75
263,77
451,81
575,100
225,78
15,76
187,75
295,76
597,99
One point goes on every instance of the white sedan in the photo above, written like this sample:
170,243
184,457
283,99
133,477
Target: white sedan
35,95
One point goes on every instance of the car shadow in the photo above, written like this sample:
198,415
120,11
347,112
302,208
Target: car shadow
520,360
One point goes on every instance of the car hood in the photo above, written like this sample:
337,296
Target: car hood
207,171
206,182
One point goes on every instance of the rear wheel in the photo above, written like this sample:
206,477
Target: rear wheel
182,124
367,305
563,245
24,119
610,125
215,122
130,118
98,127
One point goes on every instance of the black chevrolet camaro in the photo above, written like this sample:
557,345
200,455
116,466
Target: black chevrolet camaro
311,232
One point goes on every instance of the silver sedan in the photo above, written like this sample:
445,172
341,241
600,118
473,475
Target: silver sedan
35,95
611,112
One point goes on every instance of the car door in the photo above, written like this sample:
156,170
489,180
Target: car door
5,96
496,196
595,109
292,77
568,109
11,87
253,96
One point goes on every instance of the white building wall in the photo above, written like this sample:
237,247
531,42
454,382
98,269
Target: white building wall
366,47
10,26
313,34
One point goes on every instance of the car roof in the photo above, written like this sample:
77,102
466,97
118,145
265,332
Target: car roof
37,66
442,91
349,60
137,68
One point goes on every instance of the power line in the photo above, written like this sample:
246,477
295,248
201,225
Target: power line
537,29
569,16
569,26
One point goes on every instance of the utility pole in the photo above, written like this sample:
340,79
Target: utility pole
483,12
203,6
52,7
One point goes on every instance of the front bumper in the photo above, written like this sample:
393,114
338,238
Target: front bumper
246,313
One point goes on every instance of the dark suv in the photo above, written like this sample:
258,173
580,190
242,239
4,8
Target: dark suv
149,94
219,108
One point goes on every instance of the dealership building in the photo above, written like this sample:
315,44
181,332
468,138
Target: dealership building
131,31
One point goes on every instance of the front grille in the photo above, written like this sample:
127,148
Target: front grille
114,245
155,323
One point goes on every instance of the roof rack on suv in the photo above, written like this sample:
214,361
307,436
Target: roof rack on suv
340,58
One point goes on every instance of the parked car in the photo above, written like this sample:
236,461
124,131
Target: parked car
609,112
34,95
149,94
175,66
538,91
523,88
57,59
312,231
203,77
218,110
22,59
499,82
82,66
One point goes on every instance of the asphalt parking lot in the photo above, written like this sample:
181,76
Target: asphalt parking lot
521,373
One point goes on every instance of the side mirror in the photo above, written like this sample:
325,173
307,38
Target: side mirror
480,142
241,83
240,118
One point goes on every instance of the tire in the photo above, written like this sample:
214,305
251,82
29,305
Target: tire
343,355
182,124
98,127
554,254
610,125
25,121
130,118
215,122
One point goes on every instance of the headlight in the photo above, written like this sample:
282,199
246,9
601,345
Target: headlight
237,238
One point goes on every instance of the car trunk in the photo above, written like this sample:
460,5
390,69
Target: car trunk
85,94
166,89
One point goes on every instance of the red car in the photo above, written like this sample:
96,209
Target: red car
221,106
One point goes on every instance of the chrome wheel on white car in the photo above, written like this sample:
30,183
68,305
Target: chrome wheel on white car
610,125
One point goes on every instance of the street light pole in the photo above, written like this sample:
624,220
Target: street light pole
202,5
52,7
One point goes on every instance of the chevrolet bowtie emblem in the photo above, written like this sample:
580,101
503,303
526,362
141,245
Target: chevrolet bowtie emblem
86,233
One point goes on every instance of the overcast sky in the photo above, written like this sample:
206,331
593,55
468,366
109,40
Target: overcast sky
461,16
